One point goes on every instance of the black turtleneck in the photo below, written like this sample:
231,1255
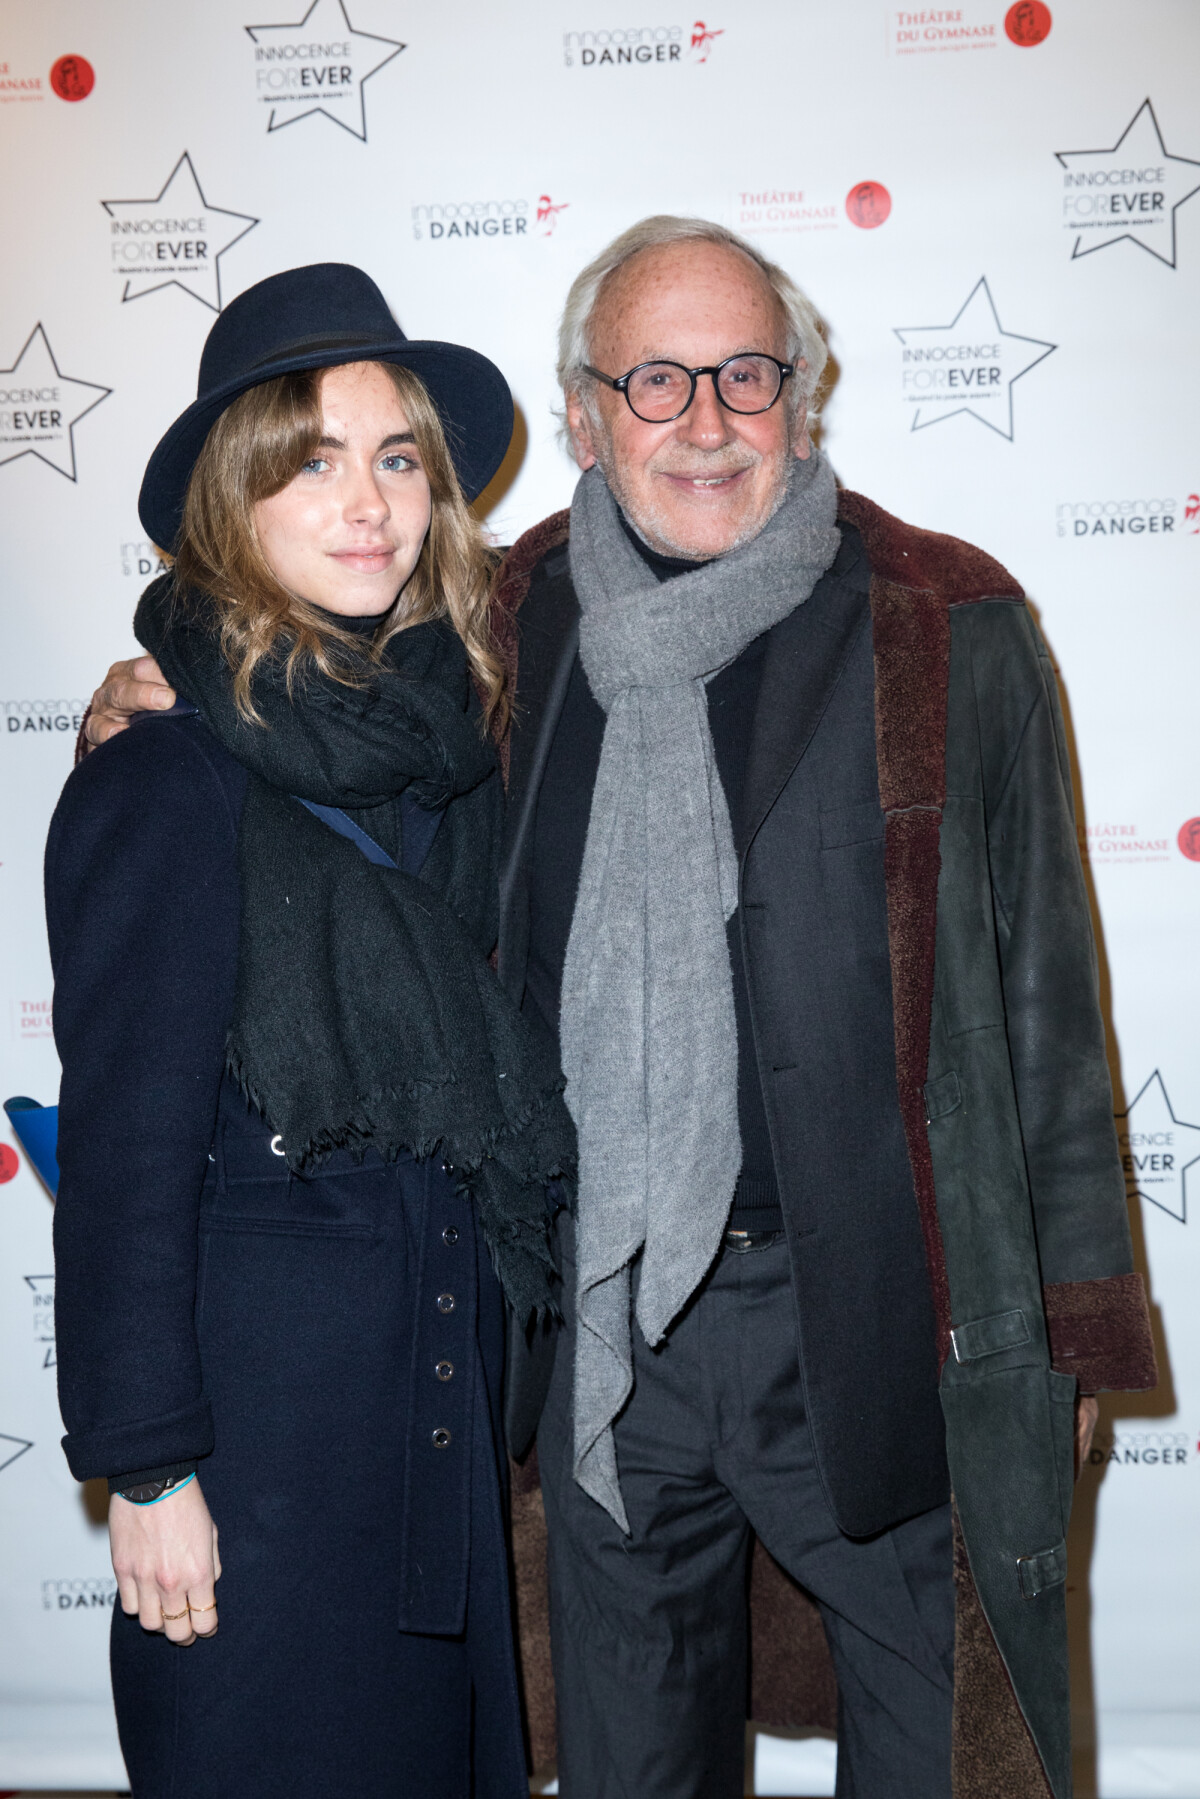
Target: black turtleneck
358,625
662,566
560,832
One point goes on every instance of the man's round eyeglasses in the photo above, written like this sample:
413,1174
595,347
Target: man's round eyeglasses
658,392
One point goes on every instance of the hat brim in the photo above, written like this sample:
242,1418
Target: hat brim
470,393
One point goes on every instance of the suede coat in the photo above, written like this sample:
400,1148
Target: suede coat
1004,1104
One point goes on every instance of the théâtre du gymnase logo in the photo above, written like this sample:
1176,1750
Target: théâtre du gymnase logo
72,78
1130,193
968,366
40,406
319,65
932,30
770,211
614,47
175,239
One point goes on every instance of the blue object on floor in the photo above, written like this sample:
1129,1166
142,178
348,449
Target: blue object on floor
36,1130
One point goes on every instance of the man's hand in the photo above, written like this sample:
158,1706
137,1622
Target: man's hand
129,687
1087,1410
166,1563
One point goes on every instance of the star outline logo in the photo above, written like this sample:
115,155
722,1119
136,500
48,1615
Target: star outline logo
42,1288
216,211
9,1456
1061,157
102,393
318,109
1133,1185
938,418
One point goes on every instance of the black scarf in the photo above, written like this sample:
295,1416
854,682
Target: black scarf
365,1012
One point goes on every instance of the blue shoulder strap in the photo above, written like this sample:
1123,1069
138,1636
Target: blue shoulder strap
418,828
339,821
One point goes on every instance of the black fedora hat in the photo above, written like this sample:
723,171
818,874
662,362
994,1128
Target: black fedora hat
312,318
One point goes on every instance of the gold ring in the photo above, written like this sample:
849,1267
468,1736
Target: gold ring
174,1617
197,1609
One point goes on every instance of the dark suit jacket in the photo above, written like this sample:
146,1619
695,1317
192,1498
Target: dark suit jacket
813,922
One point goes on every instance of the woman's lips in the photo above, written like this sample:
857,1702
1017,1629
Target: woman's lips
368,560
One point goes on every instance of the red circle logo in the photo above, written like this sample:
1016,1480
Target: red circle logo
1189,839
9,1162
868,204
72,78
1028,23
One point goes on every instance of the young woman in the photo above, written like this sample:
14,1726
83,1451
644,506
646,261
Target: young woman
300,1125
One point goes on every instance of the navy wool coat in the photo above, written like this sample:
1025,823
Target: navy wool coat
328,1348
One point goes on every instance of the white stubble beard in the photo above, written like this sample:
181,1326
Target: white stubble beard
651,524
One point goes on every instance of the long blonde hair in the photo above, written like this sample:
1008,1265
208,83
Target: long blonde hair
259,444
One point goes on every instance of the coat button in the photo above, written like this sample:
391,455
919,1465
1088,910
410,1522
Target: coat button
277,1148
445,1302
444,1370
450,1235
441,1439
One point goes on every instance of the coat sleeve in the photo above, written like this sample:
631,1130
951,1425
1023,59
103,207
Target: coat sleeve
1095,1302
141,904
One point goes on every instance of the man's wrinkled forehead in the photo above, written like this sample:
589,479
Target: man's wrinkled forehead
675,295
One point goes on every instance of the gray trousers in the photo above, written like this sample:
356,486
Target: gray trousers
649,1631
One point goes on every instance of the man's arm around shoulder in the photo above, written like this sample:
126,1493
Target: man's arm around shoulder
136,685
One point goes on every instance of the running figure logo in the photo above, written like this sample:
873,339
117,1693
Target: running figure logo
547,214
703,40
1192,511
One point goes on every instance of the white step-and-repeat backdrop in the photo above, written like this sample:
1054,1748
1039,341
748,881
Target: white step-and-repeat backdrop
997,209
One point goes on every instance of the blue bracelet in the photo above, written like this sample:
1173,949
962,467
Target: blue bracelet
169,1494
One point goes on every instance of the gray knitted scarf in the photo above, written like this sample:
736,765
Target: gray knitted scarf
649,1041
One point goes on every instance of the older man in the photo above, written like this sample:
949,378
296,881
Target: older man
792,866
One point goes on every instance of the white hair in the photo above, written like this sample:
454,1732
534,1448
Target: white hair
804,340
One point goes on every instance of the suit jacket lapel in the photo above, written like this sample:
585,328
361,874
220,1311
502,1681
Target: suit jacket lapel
549,639
806,654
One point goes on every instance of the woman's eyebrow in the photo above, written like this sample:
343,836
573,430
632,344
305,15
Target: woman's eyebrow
397,437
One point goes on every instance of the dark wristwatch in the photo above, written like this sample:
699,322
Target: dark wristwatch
143,1491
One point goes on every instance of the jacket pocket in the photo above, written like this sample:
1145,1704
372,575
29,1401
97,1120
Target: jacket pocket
1008,1439
942,1096
253,1189
843,825
260,1224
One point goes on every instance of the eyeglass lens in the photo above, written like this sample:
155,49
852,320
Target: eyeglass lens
662,390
